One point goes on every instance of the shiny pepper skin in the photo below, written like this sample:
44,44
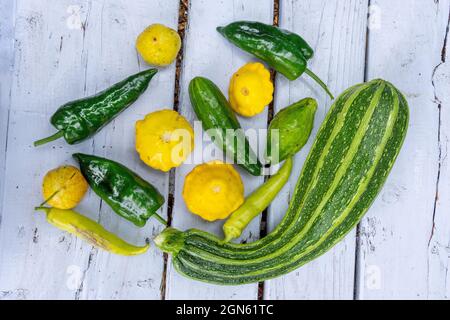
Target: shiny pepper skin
124,191
79,120
284,51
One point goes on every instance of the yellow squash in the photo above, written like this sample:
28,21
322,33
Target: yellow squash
158,45
251,89
164,139
64,187
213,190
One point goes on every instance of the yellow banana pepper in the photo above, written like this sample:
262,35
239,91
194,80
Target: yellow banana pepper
90,231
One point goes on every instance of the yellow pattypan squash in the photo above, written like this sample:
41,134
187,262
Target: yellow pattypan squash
213,190
64,187
251,89
164,139
158,45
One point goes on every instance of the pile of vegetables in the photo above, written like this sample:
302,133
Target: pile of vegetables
351,157
348,164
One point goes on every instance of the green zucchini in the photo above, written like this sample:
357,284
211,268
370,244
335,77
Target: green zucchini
352,155
218,120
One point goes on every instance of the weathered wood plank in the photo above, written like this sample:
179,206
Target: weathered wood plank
112,276
439,247
402,254
7,21
208,54
337,32
36,253
67,50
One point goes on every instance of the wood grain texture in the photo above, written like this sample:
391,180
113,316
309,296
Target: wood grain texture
336,30
7,21
208,54
65,51
56,51
112,276
439,245
404,238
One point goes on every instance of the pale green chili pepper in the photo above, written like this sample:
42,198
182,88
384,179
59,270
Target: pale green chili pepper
90,231
256,203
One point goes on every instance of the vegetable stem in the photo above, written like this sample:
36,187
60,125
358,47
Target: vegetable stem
49,198
160,219
320,82
41,208
230,236
56,136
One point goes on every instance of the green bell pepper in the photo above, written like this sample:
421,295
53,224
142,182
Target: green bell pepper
293,125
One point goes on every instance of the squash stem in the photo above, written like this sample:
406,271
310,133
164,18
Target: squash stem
41,208
57,191
170,240
49,198
320,82
160,219
56,136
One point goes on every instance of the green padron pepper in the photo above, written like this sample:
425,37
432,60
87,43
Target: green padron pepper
286,52
290,129
124,191
80,119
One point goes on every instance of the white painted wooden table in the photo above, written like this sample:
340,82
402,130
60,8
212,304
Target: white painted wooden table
52,51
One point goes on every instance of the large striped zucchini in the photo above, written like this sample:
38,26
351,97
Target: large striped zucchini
347,166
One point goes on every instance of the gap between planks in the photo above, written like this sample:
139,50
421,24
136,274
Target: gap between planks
183,22
183,18
439,134
357,275
270,114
